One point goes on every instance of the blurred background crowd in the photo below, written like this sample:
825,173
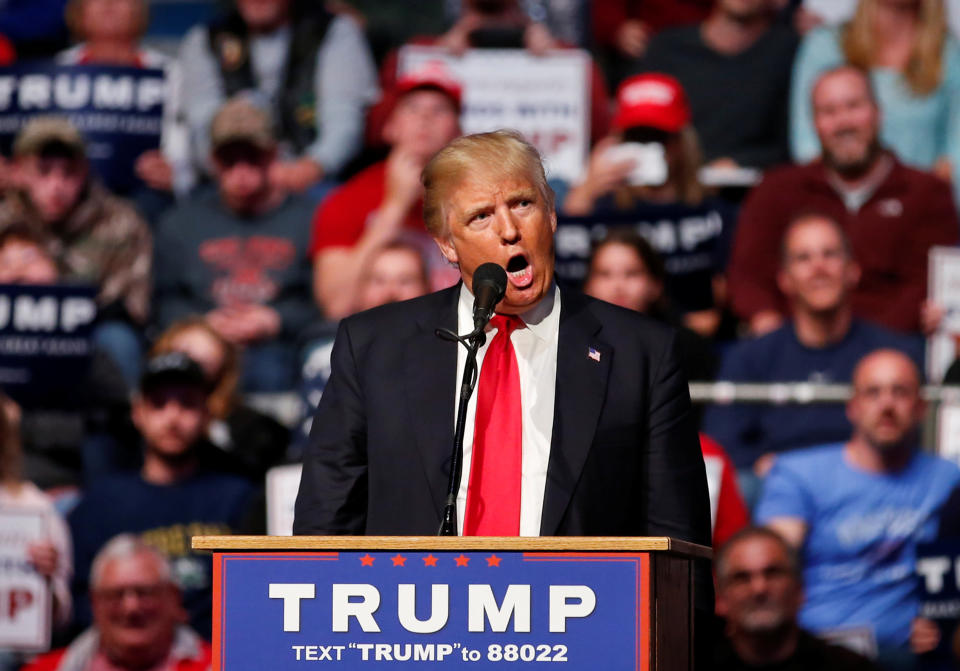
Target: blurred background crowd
770,177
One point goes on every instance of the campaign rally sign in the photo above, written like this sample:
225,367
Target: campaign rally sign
938,572
693,242
25,599
45,336
119,110
547,98
442,609
938,569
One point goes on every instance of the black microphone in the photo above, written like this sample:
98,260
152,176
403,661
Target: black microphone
489,287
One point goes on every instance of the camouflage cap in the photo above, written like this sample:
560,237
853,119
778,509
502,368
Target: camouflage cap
42,131
239,120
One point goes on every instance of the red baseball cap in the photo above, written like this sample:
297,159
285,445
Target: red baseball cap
430,75
654,100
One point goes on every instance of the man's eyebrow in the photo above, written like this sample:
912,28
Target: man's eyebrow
471,212
523,193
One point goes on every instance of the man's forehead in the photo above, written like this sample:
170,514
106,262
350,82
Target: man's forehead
485,187
813,233
886,370
840,86
133,569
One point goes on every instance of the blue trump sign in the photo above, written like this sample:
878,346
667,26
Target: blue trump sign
45,336
397,610
119,110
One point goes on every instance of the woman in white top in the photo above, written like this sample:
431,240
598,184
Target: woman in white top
109,33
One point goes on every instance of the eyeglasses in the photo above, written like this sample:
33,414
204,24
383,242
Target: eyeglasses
741,579
144,593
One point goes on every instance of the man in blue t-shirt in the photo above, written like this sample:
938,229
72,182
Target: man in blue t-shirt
858,510
820,344
177,494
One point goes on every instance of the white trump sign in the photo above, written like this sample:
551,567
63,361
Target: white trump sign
25,599
546,98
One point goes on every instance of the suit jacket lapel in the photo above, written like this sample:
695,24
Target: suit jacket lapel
583,365
430,382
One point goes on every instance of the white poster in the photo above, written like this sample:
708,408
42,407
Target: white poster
948,431
547,98
25,598
283,483
944,289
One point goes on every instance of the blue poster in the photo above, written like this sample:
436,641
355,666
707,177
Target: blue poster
693,242
400,610
45,337
119,110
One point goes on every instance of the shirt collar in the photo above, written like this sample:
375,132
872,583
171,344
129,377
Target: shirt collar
542,319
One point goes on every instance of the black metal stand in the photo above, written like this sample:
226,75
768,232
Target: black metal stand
473,342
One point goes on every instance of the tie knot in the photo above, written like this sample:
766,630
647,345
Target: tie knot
506,323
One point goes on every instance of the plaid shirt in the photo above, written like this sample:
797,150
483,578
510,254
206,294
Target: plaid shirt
103,241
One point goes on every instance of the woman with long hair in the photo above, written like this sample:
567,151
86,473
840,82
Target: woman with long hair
914,66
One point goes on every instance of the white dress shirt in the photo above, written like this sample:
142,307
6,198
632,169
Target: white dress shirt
535,345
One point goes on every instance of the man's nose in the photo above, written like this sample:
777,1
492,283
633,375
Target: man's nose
508,228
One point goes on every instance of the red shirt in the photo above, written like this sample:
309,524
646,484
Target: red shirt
341,219
727,510
51,661
609,15
890,234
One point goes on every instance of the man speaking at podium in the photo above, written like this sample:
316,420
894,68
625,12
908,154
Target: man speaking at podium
580,423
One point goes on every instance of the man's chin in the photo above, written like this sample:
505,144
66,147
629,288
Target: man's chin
520,300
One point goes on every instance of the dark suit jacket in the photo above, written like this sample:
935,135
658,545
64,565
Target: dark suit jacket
624,460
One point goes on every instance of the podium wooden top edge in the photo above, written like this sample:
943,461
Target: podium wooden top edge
454,543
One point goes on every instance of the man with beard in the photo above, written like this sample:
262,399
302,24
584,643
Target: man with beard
138,617
759,591
173,496
892,214
858,510
820,343
245,267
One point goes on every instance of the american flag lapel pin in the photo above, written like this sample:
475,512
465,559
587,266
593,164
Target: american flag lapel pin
593,354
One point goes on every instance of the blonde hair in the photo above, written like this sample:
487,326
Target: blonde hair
223,396
924,70
503,153
72,17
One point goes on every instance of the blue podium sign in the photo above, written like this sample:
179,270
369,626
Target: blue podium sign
440,609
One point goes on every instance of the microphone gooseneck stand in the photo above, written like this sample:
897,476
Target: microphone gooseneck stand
472,342
490,286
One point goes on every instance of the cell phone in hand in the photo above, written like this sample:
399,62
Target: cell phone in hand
649,162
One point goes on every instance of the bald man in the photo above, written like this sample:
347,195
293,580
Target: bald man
857,511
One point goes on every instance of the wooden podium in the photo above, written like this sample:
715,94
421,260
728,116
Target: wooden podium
358,602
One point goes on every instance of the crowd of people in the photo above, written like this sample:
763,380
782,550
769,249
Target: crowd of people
767,177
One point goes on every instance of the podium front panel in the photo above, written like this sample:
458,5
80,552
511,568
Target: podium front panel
402,609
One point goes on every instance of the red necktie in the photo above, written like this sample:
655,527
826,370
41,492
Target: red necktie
493,496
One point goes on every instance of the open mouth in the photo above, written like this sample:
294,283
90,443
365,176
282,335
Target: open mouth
519,271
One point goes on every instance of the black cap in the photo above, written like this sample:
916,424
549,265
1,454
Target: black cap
172,368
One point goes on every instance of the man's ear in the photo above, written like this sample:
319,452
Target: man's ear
136,409
389,132
784,283
447,248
